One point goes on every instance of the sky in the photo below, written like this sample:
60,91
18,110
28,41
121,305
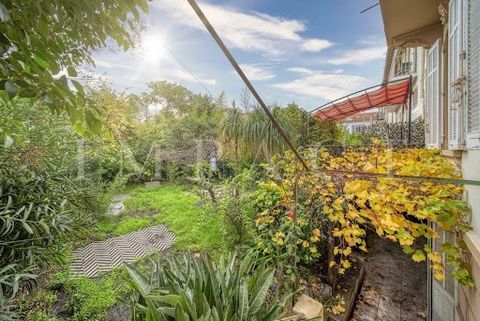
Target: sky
305,51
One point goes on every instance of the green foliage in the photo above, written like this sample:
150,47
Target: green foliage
250,135
11,280
286,233
41,194
42,39
90,299
349,139
308,129
179,209
236,207
41,316
32,213
190,289
131,224
43,302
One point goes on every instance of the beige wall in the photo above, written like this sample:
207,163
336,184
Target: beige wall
469,299
471,170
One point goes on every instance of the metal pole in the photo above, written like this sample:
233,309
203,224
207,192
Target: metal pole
247,82
402,142
410,112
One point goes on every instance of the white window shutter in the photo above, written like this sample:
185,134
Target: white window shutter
455,88
433,110
473,75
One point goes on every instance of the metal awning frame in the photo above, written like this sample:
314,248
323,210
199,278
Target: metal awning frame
365,92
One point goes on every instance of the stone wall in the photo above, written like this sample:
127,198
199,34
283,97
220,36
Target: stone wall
395,134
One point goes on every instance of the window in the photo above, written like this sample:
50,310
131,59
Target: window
433,113
405,61
464,74
473,75
455,74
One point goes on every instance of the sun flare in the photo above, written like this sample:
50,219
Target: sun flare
153,49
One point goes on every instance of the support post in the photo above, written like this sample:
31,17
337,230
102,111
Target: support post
410,85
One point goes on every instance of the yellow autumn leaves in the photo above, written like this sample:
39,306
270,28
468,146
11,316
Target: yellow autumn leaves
401,211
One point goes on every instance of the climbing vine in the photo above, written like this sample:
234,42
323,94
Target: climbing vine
343,207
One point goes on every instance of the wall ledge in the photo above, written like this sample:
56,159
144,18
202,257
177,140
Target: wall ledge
451,153
473,243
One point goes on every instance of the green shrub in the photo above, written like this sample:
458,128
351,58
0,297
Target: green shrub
41,315
236,206
42,304
190,289
90,299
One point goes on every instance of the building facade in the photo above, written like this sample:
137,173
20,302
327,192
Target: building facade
403,63
442,39
357,122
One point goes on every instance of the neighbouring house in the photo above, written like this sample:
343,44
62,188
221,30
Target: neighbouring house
438,44
355,123
403,63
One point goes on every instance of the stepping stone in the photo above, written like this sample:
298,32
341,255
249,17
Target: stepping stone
100,257
117,206
309,308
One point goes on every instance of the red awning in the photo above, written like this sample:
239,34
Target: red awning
391,94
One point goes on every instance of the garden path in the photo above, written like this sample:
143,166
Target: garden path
394,287
99,257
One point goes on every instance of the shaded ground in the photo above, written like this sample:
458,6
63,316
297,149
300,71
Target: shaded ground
394,288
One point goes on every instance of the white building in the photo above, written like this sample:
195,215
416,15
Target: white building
357,122
446,73
403,63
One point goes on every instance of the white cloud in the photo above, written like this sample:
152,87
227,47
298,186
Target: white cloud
183,75
301,70
103,63
111,64
249,31
323,85
359,56
257,72
315,45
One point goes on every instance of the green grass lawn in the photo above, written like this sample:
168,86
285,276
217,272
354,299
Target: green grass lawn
196,227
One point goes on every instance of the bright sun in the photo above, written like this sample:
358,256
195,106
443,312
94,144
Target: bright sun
153,49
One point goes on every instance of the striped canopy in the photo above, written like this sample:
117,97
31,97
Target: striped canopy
385,95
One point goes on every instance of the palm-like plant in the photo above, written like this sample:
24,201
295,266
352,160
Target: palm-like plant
189,289
253,133
231,129
261,136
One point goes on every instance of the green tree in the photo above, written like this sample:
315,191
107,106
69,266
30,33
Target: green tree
43,44
308,129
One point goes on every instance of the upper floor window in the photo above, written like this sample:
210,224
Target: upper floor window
405,61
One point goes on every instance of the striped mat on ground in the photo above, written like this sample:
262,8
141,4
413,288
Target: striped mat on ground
99,257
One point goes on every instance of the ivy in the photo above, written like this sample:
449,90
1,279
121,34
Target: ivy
344,207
